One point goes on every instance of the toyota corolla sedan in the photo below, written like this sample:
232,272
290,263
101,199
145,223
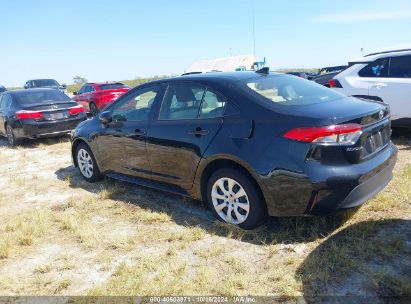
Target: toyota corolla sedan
34,113
251,144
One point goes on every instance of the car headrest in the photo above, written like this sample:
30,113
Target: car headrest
184,94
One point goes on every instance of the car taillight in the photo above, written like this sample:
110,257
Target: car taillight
29,115
346,134
334,83
76,110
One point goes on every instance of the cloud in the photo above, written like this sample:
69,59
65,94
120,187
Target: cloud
349,17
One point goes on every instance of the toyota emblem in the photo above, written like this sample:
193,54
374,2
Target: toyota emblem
381,114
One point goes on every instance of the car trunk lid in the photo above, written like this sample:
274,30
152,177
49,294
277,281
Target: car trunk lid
53,110
373,117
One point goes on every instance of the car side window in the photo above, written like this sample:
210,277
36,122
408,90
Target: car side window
82,89
378,68
212,105
135,106
5,102
400,67
182,101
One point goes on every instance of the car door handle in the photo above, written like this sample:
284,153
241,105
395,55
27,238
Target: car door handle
199,132
379,85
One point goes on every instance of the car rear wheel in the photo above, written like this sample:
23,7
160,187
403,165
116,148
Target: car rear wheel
235,199
87,163
93,109
11,137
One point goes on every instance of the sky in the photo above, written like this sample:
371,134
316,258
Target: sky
124,39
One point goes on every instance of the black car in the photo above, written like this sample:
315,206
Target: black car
36,113
248,143
44,83
2,89
324,79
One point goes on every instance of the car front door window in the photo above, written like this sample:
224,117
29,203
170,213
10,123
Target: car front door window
182,101
137,106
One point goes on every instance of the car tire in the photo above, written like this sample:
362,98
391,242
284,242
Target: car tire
235,199
11,137
87,164
93,109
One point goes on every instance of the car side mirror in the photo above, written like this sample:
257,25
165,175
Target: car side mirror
75,93
64,86
105,117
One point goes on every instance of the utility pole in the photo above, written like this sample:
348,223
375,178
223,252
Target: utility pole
253,12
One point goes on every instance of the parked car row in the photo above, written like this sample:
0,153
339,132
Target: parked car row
250,144
384,77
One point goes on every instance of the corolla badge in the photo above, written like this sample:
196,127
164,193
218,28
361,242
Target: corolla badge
381,114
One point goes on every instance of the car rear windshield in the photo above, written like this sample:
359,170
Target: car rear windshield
45,83
290,90
39,96
112,86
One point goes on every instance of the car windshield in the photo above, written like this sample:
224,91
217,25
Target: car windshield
45,83
290,90
25,98
112,86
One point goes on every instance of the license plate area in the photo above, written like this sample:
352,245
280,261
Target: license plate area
56,116
376,140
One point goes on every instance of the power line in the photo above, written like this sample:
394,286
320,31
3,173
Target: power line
253,11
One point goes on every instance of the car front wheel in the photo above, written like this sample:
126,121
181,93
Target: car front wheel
87,163
235,199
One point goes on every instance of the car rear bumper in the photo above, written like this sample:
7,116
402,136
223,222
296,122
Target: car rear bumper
326,189
46,129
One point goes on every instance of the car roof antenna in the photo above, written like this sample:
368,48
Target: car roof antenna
264,71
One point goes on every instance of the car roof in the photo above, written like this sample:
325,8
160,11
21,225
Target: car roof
374,56
41,79
103,83
219,76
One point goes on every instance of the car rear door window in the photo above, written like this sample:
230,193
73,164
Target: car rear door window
378,68
212,105
5,102
400,67
182,101
136,106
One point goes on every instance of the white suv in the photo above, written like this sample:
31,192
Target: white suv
384,77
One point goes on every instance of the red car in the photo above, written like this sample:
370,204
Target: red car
95,96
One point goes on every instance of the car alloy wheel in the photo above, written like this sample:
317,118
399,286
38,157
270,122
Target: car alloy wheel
230,201
85,163
10,135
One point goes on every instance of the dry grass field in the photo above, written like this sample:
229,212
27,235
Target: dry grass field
60,235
